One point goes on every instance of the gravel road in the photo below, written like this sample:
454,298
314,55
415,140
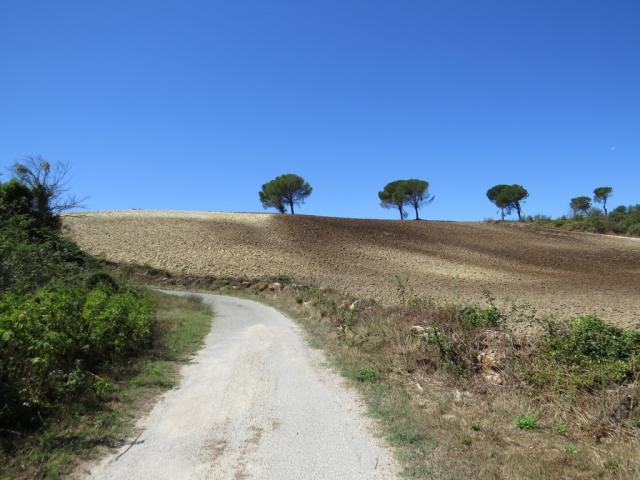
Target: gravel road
256,403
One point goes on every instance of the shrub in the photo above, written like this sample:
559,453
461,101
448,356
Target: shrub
53,341
473,316
587,354
589,339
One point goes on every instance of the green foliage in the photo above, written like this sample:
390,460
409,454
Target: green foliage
326,306
527,422
367,374
51,342
474,316
621,220
580,205
508,198
587,354
61,318
590,340
284,191
393,196
560,427
601,195
412,192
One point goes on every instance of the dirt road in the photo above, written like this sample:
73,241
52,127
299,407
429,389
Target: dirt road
256,403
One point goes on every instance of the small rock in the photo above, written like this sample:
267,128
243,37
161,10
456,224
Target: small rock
418,330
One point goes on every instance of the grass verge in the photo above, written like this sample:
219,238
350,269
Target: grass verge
470,391
128,391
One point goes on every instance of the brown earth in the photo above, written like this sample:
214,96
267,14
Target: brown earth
567,273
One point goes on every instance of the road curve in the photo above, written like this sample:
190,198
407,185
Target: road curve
256,403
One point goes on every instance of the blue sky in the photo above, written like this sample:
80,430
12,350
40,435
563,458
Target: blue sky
194,104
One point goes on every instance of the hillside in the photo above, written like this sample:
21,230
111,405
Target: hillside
563,272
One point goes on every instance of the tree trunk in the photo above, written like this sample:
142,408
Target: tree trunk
400,209
502,213
291,205
417,217
604,206
518,210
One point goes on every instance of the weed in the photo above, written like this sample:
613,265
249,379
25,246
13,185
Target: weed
367,374
560,427
527,422
475,426
569,448
611,464
326,306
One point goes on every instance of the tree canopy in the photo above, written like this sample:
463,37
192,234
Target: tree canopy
412,192
601,195
508,198
392,196
284,191
493,194
580,205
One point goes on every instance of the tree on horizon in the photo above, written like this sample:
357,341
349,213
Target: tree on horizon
508,198
284,191
601,195
580,205
412,192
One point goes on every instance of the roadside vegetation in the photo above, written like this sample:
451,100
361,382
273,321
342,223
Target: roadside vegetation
71,337
471,391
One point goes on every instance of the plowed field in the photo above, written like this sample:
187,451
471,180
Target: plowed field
557,271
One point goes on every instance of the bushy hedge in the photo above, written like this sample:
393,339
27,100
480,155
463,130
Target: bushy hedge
53,339
62,319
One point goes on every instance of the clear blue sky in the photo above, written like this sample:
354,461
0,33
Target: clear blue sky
194,104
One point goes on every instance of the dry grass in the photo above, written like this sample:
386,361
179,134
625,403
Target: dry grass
447,423
449,404
451,412
563,272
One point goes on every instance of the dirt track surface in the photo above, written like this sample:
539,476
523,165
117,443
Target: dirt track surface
256,403
563,272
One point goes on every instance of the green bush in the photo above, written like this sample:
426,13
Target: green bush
473,316
589,353
589,339
62,319
53,341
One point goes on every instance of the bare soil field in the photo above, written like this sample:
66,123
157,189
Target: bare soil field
567,273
